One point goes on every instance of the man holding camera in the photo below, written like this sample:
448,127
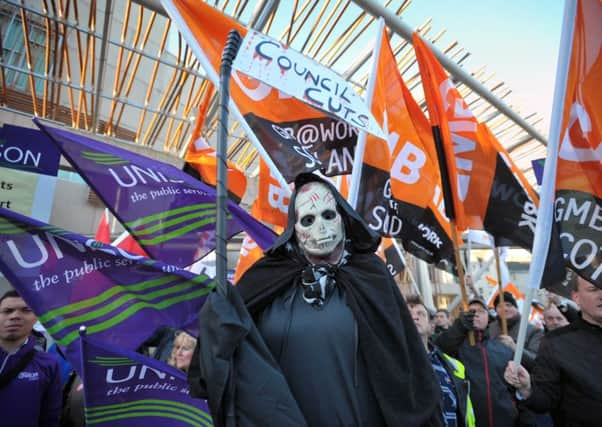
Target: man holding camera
485,362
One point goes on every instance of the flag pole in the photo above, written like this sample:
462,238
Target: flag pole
500,285
221,256
543,226
360,147
82,341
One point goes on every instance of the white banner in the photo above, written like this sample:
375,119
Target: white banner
291,72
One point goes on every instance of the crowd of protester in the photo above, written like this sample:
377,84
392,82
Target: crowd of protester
558,382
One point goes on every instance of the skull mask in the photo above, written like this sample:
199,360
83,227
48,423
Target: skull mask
319,226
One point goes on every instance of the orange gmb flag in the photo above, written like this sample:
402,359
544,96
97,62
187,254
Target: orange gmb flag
578,206
271,204
470,160
408,153
518,174
400,190
297,137
250,252
201,156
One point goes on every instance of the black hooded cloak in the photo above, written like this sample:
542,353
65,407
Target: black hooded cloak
398,370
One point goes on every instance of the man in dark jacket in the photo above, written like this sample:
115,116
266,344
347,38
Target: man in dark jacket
485,361
30,383
456,405
567,379
510,309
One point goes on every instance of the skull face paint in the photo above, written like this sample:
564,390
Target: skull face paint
319,226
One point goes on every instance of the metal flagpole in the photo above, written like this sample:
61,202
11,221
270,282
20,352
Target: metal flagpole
545,212
221,256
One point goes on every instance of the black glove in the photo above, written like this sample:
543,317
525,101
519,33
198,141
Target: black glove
467,320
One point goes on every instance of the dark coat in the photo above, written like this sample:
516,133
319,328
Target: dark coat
532,340
400,374
567,379
485,363
399,371
33,397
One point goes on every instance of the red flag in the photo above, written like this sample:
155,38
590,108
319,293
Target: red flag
201,156
103,231
579,174
126,242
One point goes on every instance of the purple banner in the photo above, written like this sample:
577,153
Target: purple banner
28,150
169,213
69,280
123,388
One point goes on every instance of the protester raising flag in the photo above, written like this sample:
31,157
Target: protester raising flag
399,191
124,388
166,210
200,157
69,280
579,170
292,137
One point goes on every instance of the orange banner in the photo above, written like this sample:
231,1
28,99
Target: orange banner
580,152
470,158
400,190
297,137
271,204
250,252
578,205
408,153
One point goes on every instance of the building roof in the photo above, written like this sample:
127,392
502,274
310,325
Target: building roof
118,68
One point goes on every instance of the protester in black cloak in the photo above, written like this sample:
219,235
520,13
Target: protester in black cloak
336,322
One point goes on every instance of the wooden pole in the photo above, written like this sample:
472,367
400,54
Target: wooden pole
500,284
461,280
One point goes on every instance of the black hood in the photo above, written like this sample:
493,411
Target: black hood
360,239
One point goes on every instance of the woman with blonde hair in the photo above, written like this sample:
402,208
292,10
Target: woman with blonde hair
181,353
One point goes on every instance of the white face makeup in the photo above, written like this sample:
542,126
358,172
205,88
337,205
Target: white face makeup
319,226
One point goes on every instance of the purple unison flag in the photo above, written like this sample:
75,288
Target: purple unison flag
28,150
123,388
169,213
69,280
